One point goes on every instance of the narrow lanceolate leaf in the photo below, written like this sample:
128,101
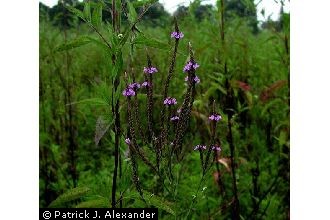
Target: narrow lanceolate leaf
95,203
71,195
143,40
73,44
77,12
101,128
158,202
97,15
87,11
132,15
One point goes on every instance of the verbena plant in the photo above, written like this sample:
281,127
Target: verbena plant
146,112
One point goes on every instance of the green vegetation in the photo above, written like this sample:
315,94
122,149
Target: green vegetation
88,56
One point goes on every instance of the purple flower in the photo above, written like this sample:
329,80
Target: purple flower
215,117
134,86
127,141
177,35
174,118
190,66
200,147
179,110
129,92
145,84
170,101
216,148
150,70
196,79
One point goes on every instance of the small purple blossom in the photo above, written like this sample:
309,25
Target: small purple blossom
200,147
216,148
177,35
196,79
190,66
170,101
174,118
127,141
128,92
134,86
145,84
150,70
215,117
179,110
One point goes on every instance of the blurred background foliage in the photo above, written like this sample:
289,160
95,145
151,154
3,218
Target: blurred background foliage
74,95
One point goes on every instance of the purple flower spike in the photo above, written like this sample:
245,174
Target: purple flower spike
177,35
145,84
127,141
197,147
200,147
215,117
134,86
150,70
196,79
170,101
216,148
190,66
174,118
128,92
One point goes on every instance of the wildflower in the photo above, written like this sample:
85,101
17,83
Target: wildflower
134,86
177,35
127,141
179,110
216,148
150,70
145,84
174,118
200,147
190,66
170,101
215,117
129,92
196,79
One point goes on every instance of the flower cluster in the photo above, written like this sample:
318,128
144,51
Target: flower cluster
196,79
129,92
134,86
177,35
127,141
145,84
170,101
216,148
174,118
190,66
200,147
215,117
150,70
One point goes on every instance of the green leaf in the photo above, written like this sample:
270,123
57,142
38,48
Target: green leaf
132,15
87,11
97,15
93,101
71,195
95,203
156,201
73,44
76,12
143,40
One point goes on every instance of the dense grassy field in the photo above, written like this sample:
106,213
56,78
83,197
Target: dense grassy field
86,159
